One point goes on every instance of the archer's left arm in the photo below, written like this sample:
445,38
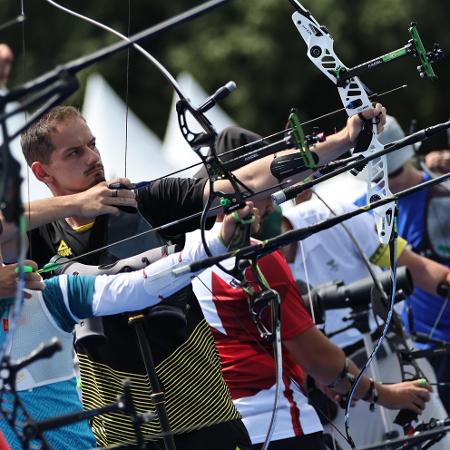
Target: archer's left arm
257,175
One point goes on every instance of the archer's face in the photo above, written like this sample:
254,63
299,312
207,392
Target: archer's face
75,164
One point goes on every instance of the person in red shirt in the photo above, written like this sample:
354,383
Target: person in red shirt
248,363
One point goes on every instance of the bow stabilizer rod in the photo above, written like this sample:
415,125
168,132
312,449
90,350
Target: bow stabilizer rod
414,47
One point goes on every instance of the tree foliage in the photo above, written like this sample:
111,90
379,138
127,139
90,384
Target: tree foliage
250,41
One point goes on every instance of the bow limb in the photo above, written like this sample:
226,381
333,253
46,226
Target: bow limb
167,75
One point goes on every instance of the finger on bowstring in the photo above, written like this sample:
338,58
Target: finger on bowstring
424,395
414,408
124,203
419,404
35,286
363,117
32,276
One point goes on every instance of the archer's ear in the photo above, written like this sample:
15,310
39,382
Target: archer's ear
40,173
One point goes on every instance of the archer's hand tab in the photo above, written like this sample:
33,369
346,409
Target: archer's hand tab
118,186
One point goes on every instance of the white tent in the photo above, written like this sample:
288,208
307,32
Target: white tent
105,113
175,148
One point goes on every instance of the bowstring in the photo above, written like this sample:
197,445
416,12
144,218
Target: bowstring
127,109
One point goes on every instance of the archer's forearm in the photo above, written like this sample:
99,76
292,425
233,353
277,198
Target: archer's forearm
41,212
36,213
257,175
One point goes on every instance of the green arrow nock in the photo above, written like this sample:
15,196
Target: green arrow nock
49,267
26,269
422,382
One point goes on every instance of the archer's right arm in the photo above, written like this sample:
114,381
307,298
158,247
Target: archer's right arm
94,202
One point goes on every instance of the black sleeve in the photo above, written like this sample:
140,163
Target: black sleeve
171,199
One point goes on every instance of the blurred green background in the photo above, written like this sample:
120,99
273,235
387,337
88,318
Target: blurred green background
252,42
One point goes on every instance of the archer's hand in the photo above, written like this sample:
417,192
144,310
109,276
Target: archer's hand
99,199
408,395
354,123
438,161
230,226
9,278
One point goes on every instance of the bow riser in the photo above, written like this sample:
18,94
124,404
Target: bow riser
378,188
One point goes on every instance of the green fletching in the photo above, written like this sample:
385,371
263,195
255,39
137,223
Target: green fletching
49,267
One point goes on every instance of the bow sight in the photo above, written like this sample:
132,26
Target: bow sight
414,47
